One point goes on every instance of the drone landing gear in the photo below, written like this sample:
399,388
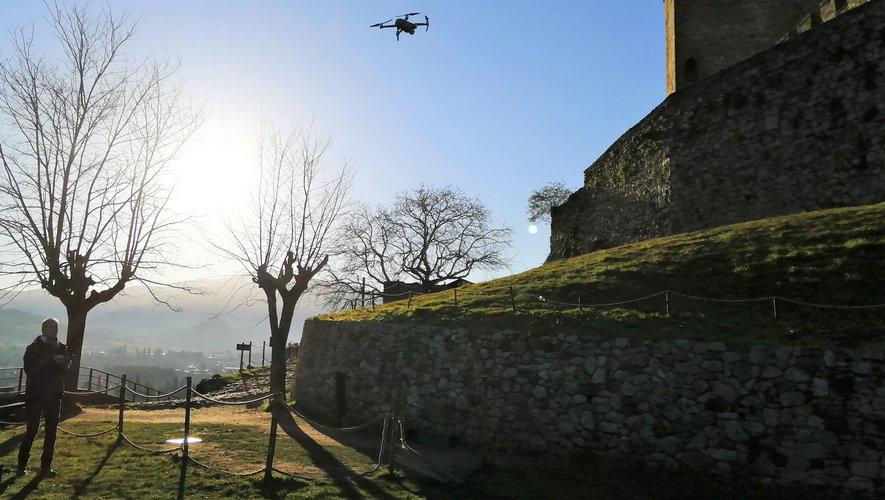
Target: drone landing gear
398,31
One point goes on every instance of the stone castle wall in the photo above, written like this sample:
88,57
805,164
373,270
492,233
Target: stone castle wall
790,415
798,127
703,37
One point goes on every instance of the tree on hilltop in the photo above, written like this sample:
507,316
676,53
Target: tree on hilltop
544,199
84,145
427,237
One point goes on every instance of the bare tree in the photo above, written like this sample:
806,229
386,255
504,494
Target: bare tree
428,236
282,238
84,145
541,201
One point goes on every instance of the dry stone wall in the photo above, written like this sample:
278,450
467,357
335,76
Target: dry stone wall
783,414
795,128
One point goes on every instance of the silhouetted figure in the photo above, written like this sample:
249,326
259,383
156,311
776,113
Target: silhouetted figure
45,363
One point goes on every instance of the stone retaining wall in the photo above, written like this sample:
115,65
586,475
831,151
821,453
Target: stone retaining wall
785,414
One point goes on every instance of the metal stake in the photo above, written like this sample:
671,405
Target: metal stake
187,425
122,404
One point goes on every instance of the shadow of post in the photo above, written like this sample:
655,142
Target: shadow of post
346,479
11,444
28,489
80,489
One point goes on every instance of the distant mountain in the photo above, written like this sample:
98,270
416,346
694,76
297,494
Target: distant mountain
18,326
213,320
213,332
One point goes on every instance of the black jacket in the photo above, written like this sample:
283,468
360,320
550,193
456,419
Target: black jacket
45,376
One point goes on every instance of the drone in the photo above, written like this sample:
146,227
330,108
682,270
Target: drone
402,23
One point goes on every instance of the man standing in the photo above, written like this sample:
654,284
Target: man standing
45,363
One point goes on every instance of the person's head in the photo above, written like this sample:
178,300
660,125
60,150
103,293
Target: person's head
49,328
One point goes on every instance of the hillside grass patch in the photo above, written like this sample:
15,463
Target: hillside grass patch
824,257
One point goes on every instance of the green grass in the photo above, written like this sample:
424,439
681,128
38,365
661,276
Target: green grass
830,257
96,468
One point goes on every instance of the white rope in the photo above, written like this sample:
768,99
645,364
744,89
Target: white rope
155,396
89,435
216,469
544,299
711,299
830,306
88,392
708,299
232,403
139,447
336,429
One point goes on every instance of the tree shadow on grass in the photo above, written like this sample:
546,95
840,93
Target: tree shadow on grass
11,444
342,476
82,485
28,488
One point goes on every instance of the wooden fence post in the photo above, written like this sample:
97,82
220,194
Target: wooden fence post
363,294
21,373
667,302
410,299
122,404
456,297
89,385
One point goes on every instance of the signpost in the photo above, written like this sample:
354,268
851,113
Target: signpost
242,348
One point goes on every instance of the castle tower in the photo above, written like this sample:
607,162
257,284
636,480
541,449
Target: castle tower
707,36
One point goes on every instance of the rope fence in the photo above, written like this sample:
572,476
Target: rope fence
392,432
580,304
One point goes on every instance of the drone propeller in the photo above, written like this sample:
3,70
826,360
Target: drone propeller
426,23
380,24
409,14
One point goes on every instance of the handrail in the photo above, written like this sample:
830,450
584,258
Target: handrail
83,378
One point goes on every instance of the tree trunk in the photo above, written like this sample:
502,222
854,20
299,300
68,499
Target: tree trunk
278,346
74,341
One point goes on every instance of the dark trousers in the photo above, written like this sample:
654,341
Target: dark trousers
49,409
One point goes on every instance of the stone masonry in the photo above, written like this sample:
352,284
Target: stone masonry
798,127
783,414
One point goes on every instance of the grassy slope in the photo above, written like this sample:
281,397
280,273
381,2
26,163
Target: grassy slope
830,256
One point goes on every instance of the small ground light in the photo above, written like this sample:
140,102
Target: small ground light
190,440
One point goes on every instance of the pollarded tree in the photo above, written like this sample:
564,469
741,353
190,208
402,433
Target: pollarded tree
84,145
283,238
427,236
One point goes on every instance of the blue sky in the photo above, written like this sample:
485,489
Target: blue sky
498,98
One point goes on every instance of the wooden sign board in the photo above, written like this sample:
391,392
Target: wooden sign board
244,347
